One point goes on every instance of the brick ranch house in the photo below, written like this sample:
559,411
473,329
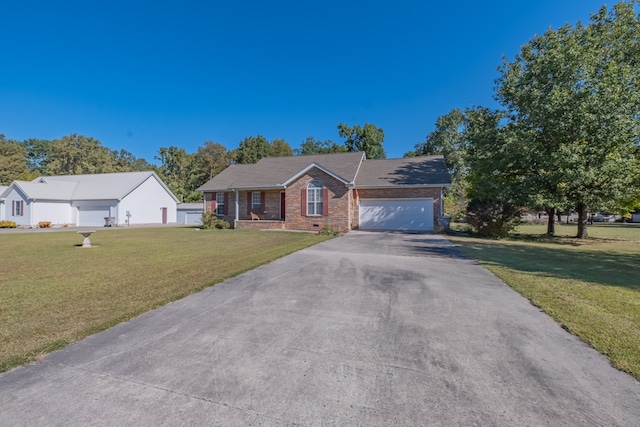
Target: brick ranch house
343,190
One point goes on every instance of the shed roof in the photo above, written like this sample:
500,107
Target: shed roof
190,206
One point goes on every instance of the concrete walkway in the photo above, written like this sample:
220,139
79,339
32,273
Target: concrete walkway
367,329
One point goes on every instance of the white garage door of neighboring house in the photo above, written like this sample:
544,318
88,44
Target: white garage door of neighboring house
92,215
193,218
396,214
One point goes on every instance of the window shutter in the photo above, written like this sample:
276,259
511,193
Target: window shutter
325,201
226,203
248,202
262,202
303,201
214,202
13,208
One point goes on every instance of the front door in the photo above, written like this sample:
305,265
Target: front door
164,215
282,206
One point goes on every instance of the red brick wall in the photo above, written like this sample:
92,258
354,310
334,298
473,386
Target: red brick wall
338,203
260,225
403,193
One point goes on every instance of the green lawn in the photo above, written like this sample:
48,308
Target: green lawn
53,292
590,287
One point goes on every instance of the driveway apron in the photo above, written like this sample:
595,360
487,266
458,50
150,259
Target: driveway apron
366,329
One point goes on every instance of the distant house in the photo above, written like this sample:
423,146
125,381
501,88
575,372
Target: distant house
86,200
190,213
344,190
2,190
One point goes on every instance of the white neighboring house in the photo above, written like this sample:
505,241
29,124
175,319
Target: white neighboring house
2,190
86,200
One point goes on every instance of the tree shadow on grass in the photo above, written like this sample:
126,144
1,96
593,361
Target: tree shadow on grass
561,261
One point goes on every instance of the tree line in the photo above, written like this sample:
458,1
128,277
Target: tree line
183,172
567,135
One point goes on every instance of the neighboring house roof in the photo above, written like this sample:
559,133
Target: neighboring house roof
412,171
104,186
276,172
38,191
350,168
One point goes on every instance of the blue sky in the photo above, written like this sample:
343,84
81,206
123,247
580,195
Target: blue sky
141,75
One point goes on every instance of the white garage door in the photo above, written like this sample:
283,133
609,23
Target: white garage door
396,214
193,218
92,216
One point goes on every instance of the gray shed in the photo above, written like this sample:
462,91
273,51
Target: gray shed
190,213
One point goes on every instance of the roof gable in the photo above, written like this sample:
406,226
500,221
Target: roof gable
311,166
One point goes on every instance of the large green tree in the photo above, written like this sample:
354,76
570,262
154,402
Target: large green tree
280,148
38,154
575,93
368,138
450,140
77,154
179,170
313,146
252,149
125,161
212,159
13,160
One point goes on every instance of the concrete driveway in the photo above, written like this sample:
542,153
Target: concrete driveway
367,329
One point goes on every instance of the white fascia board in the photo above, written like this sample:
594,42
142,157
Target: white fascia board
315,165
19,189
362,159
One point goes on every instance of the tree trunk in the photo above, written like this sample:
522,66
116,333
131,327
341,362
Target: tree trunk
582,221
551,226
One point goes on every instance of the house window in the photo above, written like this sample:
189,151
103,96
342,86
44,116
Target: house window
18,208
255,201
314,198
220,204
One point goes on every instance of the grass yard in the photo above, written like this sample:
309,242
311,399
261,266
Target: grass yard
590,287
53,293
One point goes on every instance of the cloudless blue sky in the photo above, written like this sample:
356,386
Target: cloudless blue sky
141,75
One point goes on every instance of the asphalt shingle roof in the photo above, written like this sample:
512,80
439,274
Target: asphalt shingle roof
274,172
414,171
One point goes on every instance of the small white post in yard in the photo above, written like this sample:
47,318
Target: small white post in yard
86,243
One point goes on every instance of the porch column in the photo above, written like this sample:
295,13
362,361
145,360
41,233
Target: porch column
31,209
349,209
235,222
